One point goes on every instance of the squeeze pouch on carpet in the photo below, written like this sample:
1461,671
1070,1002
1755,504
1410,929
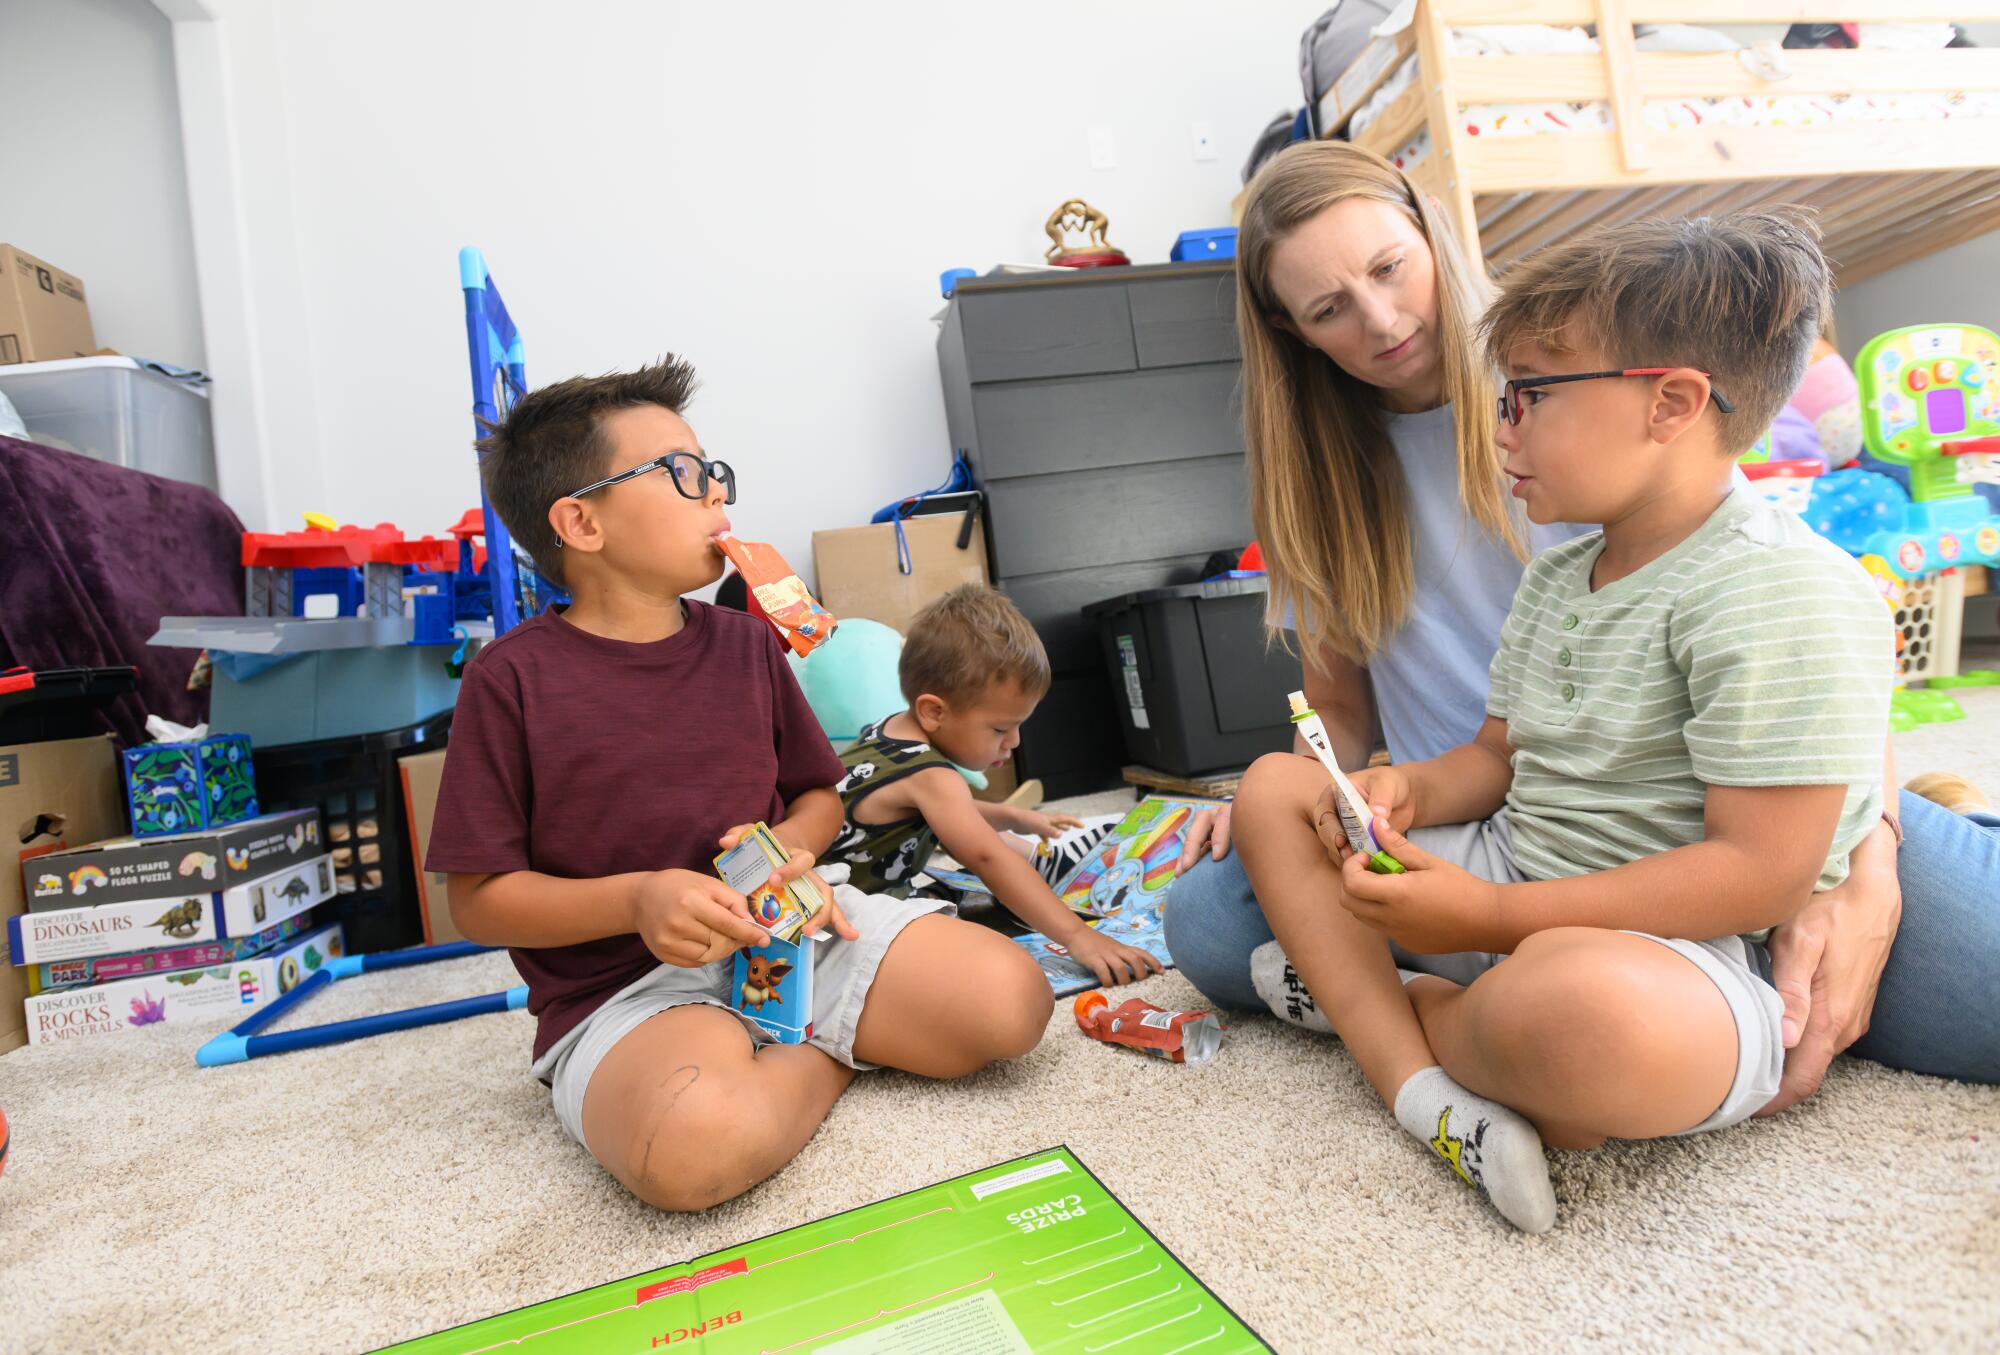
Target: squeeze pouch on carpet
779,593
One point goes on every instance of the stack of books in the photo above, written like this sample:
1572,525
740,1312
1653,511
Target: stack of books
137,932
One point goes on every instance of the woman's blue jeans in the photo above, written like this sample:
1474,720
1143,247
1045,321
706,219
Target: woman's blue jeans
1937,1010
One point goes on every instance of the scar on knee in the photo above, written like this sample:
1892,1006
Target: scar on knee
669,1090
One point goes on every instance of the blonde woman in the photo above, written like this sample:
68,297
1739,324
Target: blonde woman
1394,552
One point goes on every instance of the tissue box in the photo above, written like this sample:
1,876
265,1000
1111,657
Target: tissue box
189,787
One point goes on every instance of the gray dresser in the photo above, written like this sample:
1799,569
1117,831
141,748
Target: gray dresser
1100,412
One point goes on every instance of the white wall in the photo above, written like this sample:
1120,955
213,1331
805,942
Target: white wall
91,176
1961,283
769,189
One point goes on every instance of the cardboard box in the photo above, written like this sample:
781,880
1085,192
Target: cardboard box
223,993
858,574
422,774
51,794
170,920
144,870
43,313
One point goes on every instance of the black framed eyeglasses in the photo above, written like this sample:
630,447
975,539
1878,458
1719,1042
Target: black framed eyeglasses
690,474
1510,394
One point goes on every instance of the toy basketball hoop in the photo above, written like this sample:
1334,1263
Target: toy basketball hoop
1788,484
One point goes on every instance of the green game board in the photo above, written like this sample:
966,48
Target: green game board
1028,1256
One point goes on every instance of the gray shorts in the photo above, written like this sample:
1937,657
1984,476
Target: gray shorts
1739,968
842,974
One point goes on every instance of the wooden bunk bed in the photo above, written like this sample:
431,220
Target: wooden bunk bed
1887,191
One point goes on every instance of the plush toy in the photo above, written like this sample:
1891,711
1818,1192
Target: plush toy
1831,401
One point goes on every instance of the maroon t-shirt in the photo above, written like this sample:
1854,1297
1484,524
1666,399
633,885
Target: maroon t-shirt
582,757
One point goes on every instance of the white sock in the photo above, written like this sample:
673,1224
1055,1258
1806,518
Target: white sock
1272,975
1488,1145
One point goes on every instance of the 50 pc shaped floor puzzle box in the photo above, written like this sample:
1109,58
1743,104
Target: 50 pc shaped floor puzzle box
52,794
132,870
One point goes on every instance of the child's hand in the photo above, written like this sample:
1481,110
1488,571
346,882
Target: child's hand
1433,908
1387,790
689,919
799,864
1045,825
1113,962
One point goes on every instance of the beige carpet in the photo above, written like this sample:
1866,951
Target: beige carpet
338,1199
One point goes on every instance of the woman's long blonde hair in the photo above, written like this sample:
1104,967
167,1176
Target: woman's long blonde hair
1326,491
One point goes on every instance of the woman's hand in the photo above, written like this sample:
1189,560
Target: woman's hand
1432,908
1827,962
1208,829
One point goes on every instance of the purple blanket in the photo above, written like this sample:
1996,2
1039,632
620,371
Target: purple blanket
92,555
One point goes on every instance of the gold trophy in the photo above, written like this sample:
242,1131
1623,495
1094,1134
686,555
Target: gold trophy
1078,215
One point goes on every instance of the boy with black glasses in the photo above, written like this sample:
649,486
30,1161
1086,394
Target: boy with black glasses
1684,739
603,753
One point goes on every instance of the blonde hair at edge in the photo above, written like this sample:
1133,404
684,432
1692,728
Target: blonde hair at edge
1326,492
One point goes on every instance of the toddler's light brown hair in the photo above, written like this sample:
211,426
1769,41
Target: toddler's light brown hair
966,640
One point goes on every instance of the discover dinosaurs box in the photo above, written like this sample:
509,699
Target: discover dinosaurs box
127,869
169,919
223,992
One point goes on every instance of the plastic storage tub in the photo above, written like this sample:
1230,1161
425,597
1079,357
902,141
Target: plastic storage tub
1198,688
357,787
115,410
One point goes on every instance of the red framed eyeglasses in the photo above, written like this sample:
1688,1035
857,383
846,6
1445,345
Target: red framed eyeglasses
1510,394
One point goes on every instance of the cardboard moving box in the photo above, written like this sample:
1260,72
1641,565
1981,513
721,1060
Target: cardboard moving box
52,795
858,574
43,314
422,773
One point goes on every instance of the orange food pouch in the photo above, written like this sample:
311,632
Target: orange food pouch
779,593
1181,1037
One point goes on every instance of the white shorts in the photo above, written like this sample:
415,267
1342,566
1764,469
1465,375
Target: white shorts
842,974
1739,968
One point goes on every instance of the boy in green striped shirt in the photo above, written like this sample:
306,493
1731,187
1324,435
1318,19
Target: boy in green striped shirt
1685,738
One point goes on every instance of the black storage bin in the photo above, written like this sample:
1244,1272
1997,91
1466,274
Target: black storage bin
1198,687
356,786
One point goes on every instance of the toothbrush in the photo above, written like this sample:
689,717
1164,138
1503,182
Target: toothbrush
1356,820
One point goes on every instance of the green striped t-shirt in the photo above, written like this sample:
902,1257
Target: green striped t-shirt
1754,653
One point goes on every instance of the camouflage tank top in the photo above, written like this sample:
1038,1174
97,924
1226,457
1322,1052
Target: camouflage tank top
884,855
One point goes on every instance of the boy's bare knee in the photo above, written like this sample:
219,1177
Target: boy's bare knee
1025,1003
696,1146
1578,997
1010,1013
1271,781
